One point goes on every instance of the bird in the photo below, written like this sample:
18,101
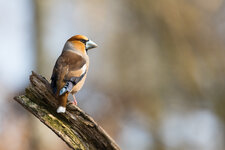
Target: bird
70,70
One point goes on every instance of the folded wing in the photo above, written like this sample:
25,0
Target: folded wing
69,69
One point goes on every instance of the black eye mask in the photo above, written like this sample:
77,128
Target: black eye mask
83,41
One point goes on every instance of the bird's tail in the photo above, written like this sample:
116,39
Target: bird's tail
62,103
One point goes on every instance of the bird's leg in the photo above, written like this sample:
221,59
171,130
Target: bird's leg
75,101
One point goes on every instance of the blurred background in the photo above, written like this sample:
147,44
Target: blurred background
156,81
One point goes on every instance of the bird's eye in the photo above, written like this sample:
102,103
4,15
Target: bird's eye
83,41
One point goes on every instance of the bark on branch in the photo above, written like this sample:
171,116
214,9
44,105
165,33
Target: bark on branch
75,127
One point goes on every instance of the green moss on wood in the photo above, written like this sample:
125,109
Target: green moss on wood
61,128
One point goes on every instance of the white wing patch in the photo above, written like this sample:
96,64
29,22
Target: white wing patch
84,68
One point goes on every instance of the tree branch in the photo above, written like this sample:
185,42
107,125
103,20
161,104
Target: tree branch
75,127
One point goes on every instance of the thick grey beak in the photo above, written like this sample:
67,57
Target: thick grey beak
90,44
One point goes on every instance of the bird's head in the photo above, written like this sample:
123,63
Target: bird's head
81,43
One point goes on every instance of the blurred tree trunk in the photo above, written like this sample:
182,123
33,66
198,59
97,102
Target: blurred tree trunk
38,34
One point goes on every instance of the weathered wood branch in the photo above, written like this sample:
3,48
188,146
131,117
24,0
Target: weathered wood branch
75,127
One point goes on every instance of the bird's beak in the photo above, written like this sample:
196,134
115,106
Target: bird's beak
90,44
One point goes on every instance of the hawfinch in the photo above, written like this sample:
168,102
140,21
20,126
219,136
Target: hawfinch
70,69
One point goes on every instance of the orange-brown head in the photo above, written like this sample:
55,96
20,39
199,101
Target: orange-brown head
80,43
